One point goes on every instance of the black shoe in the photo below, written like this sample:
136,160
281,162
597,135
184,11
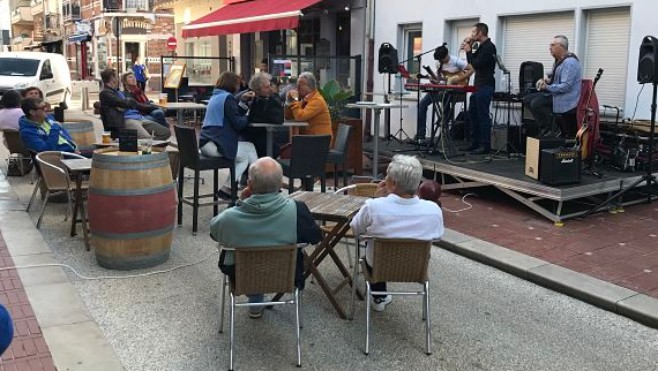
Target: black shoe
420,141
481,151
224,196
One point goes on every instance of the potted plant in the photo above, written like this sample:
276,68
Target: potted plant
336,98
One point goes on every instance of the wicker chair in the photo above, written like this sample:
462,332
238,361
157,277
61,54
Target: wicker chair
16,149
55,178
399,260
262,270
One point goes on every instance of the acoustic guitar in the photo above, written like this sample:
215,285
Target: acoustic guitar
582,136
447,77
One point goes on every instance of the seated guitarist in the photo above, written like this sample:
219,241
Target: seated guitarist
450,70
564,84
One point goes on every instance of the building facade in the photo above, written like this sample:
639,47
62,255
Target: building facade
603,33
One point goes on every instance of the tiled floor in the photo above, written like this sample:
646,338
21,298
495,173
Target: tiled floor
28,350
619,248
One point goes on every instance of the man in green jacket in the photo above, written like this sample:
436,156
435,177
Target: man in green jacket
264,217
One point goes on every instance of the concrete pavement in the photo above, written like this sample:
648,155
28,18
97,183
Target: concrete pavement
69,314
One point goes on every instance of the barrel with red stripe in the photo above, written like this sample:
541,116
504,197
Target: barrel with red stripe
132,208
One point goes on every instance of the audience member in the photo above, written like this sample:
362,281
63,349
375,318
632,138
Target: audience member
264,106
221,132
307,104
39,132
119,112
264,217
150,112
397,212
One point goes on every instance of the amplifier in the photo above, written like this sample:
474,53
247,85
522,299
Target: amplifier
534,146
559,166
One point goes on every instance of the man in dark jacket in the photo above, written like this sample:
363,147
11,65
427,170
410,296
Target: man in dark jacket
119,112
264,107
264,217
483,61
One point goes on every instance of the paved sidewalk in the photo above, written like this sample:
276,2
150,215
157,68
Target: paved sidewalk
28,350
610,260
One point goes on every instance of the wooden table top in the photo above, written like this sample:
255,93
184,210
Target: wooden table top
77,164
285,124
155,143
182,106
329,206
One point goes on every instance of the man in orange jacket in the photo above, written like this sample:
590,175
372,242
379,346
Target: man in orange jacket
307,104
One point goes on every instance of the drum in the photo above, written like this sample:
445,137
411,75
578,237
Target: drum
82,133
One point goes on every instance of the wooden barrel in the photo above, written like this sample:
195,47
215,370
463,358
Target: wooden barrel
132,208
82,133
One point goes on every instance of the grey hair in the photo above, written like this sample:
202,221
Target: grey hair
259,80
562,40
406,172
266,175
310,79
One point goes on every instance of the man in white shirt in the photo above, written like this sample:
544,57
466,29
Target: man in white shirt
397,213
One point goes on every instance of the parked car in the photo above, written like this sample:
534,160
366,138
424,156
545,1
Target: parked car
47,71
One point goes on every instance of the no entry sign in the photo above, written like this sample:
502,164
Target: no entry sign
172,43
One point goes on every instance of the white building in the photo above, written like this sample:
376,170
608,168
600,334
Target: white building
603,33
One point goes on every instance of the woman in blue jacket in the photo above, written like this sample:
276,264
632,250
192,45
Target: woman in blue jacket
40,132
221,133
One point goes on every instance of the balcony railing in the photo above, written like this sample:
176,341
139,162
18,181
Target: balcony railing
22,14
53,22
129,6
71,11
37,6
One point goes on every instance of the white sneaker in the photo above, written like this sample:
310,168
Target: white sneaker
379,304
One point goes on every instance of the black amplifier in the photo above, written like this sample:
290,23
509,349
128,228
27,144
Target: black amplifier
559,166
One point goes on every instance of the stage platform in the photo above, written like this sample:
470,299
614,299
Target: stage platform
557,203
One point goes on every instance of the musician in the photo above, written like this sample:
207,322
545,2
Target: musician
450,70
484,62
564,84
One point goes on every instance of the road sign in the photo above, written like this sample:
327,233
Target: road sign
172,43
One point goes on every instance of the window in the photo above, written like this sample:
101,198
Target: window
412,46
18,67
46,70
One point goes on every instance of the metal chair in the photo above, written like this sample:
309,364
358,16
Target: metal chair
56,178
399,260
191,158
262,270
338,155
307,161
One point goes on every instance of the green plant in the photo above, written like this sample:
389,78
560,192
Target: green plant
335,97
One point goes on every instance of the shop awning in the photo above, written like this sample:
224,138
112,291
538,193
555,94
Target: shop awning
249,16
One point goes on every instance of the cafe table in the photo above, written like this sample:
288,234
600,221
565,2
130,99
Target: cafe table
77,168
340,209
180,107
272,127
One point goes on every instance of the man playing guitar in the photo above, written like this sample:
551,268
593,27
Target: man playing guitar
450,70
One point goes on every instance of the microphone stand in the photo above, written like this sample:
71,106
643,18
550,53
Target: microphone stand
401,130
505,71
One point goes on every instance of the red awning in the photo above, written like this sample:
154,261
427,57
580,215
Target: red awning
249,16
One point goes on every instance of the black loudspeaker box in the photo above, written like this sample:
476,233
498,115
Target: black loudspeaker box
559,166
388,59
647,70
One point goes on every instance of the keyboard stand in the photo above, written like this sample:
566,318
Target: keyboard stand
442,143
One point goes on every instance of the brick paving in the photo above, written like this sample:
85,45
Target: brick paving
619,248
28,351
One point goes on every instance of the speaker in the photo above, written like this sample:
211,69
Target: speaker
647,70
388,59
529,73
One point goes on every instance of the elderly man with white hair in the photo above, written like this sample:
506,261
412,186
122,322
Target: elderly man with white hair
307,104
264,105
397,212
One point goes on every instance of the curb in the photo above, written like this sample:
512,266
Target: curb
75,340
628,303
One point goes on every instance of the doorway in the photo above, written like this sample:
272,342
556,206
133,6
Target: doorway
131,54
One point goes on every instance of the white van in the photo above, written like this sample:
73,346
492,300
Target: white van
47,71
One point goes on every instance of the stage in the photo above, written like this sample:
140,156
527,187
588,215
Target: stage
557,203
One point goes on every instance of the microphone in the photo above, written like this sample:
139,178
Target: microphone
500,64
